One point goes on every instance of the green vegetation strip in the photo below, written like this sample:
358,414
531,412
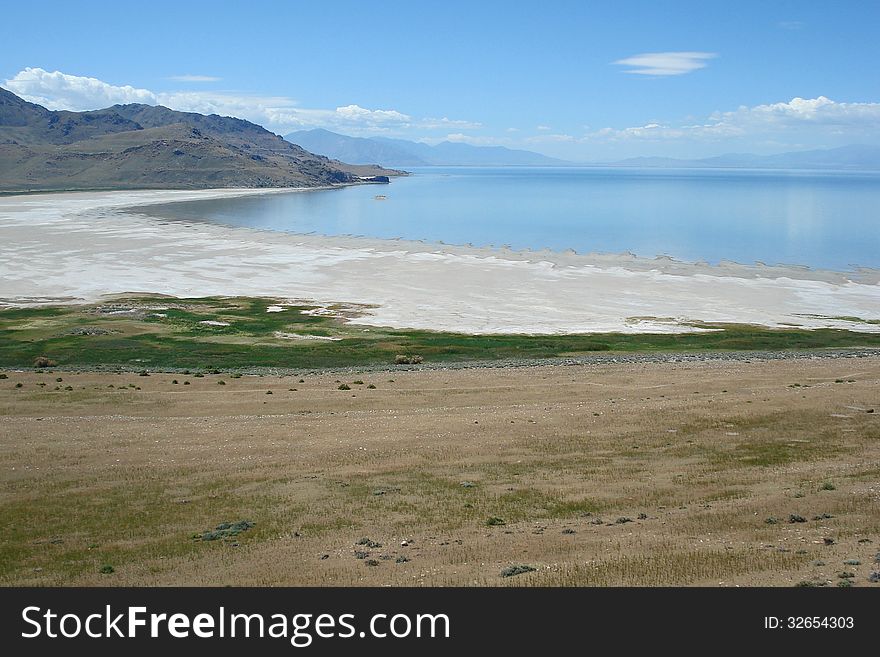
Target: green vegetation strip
239,333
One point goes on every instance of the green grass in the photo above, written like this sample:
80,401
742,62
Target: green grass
180,340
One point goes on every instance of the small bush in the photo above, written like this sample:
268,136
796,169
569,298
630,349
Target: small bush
510,571
371,387
827,486
174,382
59,379
358,382
405,359
43,361
494,521
3,376
225,530
198,375
268,392
186,383
343,386
221,382
19,385
796,518
107,569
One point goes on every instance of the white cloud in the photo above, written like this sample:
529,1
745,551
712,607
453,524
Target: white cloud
816,116
543,128
58,90
666,63
551,138
194,78
61,91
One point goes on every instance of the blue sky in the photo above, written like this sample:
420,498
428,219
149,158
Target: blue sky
580,80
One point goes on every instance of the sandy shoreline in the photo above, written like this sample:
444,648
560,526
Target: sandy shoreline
77,247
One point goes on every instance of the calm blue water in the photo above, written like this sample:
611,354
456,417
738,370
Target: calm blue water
827,220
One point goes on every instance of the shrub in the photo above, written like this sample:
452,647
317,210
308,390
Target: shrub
494,521
404,359
225,530
371,387
19,385
343,386
107,569
358,382
3,376
510,571
827,486
43,361
221,382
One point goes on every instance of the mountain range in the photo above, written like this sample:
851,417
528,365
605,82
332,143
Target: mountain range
853,157
404,153
139,146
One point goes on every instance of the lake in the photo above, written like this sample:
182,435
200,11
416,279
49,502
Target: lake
827,220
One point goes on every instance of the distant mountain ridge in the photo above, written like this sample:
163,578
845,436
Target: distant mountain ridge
143,146
853,157
405,153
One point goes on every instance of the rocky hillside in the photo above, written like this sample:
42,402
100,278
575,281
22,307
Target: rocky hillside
142,146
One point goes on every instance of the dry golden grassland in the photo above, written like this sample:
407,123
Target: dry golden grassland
703,473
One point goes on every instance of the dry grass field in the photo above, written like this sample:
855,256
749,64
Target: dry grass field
650,474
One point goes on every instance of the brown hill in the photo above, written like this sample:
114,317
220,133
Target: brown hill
141,147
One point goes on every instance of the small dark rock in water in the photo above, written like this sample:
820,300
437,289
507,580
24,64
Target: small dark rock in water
360,554
874,578
622,520
367,542
401,559
510,571
568,531
796,518
828,541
